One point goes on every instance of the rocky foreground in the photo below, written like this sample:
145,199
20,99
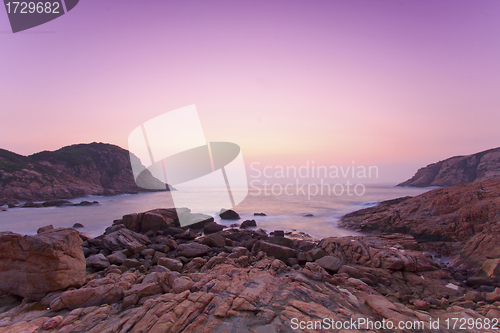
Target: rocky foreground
147,274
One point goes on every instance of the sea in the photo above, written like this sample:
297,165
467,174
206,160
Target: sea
283,212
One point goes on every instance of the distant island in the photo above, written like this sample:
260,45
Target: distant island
458,170
69,172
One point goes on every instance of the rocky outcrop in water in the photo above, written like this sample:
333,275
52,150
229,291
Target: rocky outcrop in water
72,171
243,280
458,170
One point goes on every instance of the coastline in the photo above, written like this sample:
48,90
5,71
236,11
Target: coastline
167,278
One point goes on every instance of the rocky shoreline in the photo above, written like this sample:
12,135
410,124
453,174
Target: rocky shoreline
461,222
148,274
72,172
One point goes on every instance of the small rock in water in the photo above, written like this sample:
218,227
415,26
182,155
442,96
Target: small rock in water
259,214
56,203
248,224
308,215
78,225
31,204
87,203
45,228
229,214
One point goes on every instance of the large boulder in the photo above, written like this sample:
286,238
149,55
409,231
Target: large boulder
154,220
33,265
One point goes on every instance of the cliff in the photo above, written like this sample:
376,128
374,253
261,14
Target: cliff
72,171
461,221
458,170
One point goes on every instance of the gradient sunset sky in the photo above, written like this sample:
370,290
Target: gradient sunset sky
398,84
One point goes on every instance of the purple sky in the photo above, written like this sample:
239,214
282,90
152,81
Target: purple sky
398,84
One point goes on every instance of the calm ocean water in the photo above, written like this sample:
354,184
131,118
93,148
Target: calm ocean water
283,212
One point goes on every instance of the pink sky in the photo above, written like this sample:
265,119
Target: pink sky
398,84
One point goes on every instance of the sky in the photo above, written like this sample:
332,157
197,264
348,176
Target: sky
396,84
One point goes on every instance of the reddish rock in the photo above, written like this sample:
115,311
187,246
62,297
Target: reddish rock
277,251
329,263
171,264
192,250
32,266
97,261
212,227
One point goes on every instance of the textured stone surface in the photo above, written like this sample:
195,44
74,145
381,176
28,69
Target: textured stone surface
32,266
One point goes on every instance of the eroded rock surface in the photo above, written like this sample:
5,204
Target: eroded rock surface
32,266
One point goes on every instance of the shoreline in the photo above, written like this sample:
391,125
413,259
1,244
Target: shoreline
147,274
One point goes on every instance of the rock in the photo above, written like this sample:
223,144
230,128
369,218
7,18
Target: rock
329,263
187,235
259,214
117,258
421,305
308,215
248,224
45,228
57,203
277,251
160,269
197,221
144,289
383,251
228,214
157,256
32,266
316,254
213,240
490,268
477,281
130,300
493,296
132,222
212,227
281,241
85,297
473,296
155,221
31,204
98,261
131,263
125,239
171,264
278,233
52,323
493,314
87,203
181,284
78,225
192,250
